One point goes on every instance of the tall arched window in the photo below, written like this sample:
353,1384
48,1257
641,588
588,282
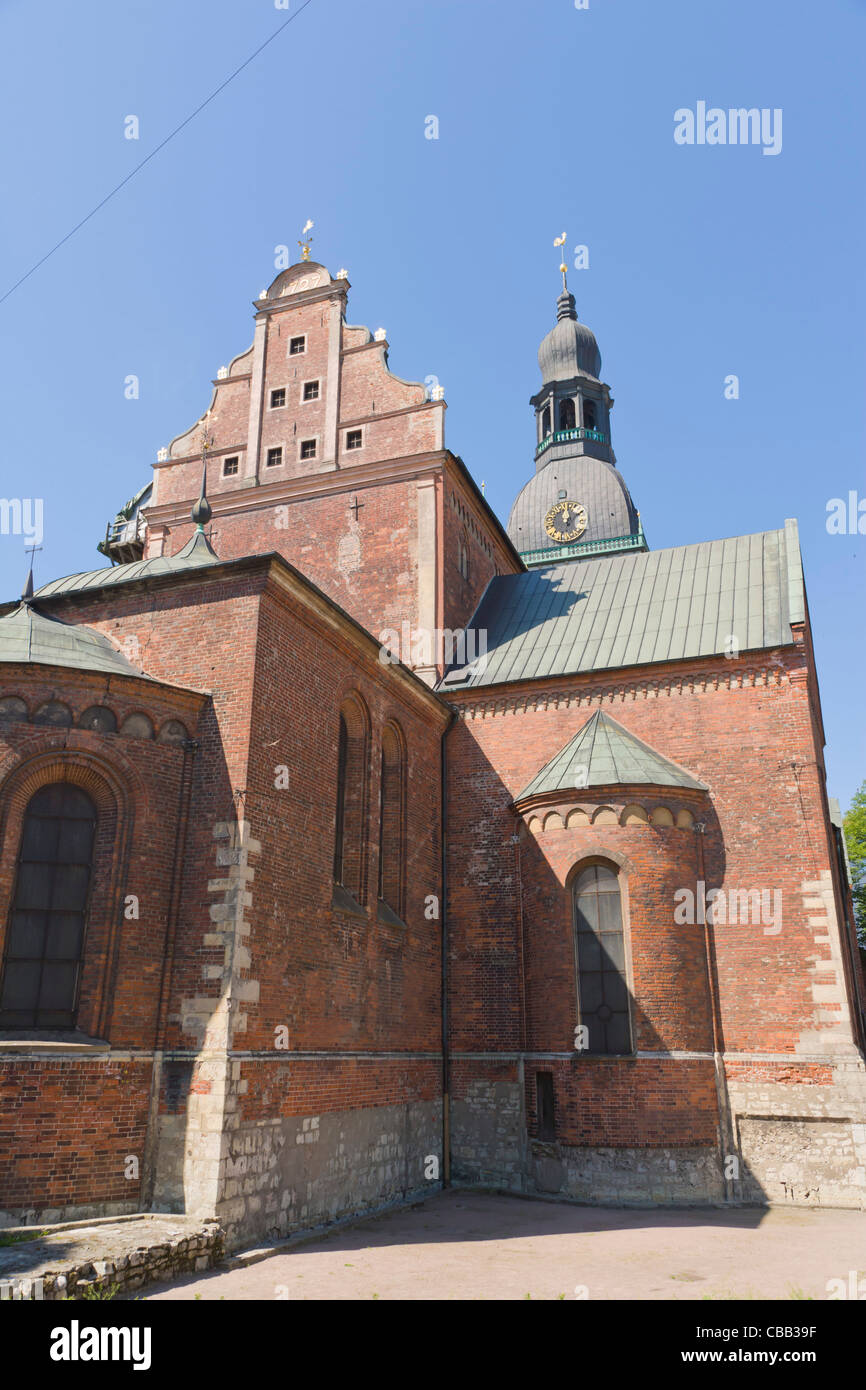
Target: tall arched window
566,414
589,415
350,838
45,936
392,839
602,989
340,832
545,422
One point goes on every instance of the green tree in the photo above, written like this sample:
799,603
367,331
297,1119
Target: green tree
854,828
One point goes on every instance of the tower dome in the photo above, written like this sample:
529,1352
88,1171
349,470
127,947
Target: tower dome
577,505
569,349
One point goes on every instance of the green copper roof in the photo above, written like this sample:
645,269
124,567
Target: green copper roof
634,609
196,554
604,754
28,636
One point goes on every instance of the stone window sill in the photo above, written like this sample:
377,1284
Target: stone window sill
388,915
343,901
50,1043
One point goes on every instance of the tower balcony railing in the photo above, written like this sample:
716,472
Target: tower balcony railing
577,550
570,436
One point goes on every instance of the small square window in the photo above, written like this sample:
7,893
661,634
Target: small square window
278,397
297,346
354,439
230,466
311,390
308,448
275,458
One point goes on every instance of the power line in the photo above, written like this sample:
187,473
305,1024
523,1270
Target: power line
149,157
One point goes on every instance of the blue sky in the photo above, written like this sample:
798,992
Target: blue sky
705,261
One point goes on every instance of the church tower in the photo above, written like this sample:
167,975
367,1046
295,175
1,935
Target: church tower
577,505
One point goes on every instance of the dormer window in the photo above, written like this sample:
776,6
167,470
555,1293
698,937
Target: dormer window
566,414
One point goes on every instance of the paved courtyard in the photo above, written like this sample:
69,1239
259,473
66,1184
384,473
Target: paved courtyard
467,1245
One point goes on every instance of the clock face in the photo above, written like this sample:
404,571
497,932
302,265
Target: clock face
566,521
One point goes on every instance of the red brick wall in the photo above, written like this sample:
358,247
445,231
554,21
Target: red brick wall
135,784
764,829
368,566
670,998
629,1104
334,978
66,1129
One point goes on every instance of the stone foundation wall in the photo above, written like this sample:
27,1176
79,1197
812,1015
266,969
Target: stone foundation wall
490,1147
802,1132
680,1177
800,1140
286,1174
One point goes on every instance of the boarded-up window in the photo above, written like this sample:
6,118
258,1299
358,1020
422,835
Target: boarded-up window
544,1105
603,1004
46,930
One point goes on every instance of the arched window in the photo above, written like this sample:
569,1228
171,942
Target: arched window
602,990
45,935
340,832
566,414
350,840
392,839
545,422
589,415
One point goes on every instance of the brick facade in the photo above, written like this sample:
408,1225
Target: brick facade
259,1037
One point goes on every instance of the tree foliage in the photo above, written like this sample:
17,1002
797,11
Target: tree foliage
854,828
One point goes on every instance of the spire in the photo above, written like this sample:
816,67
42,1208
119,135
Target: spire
27,592
201,512
565,306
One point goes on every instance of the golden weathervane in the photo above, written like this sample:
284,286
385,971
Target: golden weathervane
560,241
305,245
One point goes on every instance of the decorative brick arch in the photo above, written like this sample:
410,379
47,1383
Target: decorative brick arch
115,789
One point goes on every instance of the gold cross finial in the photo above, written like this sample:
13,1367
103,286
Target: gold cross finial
305,245
560,241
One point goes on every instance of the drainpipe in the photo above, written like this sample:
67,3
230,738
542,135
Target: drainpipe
726,1129
446,1098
